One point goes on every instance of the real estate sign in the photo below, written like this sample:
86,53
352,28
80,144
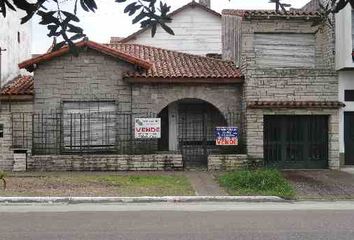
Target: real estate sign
147,128
226,136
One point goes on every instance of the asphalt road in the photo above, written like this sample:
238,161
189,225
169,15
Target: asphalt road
177,221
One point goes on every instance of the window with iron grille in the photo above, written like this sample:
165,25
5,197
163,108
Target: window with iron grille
1,130
89,126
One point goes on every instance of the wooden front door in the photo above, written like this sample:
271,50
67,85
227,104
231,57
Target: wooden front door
349,137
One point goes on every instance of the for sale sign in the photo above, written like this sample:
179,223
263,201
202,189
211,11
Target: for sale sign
147,128
227,136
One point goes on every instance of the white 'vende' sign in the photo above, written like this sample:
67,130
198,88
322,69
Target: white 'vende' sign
147,128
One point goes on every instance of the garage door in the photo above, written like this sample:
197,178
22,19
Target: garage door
296,142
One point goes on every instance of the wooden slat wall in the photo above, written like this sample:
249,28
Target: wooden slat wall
231,38
285,50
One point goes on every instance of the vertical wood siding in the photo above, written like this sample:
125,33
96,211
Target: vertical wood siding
196,32
285,50
231,38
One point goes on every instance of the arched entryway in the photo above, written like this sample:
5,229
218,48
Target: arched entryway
188,126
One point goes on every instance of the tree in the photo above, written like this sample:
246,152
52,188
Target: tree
149,13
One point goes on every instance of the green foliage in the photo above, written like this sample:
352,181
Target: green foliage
258,182
63,24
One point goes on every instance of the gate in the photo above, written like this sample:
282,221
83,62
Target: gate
296,142
196,132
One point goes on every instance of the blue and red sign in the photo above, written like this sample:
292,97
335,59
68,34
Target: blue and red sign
226,136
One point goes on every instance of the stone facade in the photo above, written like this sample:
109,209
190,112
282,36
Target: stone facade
227,162
6,143
105,162
318,83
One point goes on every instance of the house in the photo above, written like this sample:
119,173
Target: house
344,64
291,88
277,88
15,45
197,30
84,108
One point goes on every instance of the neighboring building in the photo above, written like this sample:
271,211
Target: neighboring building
344,49
16,40
197,30
291,87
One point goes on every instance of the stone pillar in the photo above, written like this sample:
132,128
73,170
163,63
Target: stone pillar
173,126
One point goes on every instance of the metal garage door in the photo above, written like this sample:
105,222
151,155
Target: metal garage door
296,142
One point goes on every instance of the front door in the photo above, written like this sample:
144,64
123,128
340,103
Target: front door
349,137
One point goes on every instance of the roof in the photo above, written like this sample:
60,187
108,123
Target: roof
174,13
271,13
168,64
160,65
21,85
296,104
95,46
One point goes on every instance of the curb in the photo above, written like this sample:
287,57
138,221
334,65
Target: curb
179,199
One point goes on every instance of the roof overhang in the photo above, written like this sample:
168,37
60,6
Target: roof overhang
153,80
296,104
31,63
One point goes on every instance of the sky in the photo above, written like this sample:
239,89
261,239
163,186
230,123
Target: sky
109,20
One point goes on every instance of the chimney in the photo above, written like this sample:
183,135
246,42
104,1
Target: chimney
206,3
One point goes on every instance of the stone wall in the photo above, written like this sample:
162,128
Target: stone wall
154,98
255,126
90,77
319,83
227,162
105,162
6,143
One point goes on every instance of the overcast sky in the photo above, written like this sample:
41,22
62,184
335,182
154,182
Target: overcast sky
109,20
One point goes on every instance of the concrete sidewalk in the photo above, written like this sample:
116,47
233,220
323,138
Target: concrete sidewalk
205,184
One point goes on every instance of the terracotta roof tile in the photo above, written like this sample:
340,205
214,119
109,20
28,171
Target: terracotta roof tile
21,85
172,64
93,45
296,104
270,13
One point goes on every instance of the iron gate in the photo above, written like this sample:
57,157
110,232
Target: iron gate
196,132
296,141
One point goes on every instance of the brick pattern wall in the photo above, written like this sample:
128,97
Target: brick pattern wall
105,162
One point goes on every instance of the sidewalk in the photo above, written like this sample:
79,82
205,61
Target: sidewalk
205,184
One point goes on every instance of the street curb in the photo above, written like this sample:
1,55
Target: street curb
179,199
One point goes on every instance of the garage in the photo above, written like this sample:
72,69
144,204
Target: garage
296,142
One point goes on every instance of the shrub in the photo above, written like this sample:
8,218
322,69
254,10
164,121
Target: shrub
257,182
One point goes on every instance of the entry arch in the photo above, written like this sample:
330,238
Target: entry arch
188,125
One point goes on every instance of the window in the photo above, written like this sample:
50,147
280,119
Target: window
1,130
89,126
285,50
18,37
349,95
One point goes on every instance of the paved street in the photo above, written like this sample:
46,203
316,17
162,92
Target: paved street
179,221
